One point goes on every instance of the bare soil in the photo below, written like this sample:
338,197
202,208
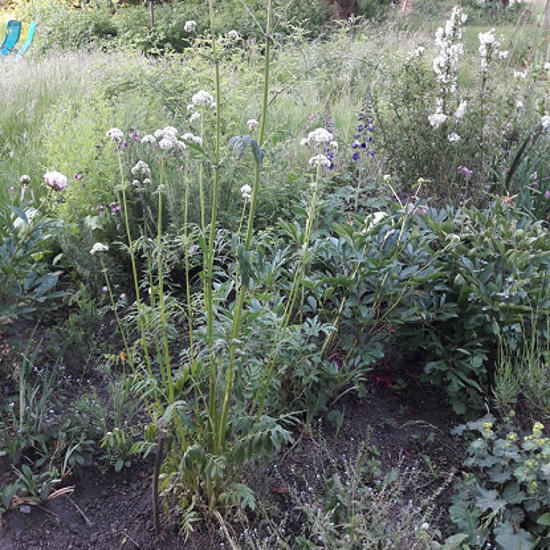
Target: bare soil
109,510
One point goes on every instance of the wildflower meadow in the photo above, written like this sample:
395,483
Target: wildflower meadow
271,278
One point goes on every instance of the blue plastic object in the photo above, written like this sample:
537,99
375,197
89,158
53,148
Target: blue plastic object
13,32
28,41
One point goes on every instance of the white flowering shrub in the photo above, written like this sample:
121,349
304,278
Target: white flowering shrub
449,109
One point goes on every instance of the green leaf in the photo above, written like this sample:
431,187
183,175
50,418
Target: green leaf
488,499
245,265
507,539
544,519
512,493
19,212
458,405
119,464
256,151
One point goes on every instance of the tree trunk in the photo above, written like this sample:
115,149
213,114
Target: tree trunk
343,9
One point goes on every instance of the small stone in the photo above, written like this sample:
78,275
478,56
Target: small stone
93,538
25,509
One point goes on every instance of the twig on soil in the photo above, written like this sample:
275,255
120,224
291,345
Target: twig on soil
353,388
130,538
224,527
80,511
158,460
296,443
48,511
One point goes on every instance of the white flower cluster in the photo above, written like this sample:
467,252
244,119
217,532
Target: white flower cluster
167,137
246,192
488,45
98,247
319,160
545,121
234,35
141,169
445,65
252,123
115,134
320,137
190,138
374,219
520,74
203,98
148,139
438,118
418,52
453,138
194,117
461,110
190,26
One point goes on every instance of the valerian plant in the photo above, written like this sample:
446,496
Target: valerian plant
209,408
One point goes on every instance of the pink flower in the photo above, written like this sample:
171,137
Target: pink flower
55,180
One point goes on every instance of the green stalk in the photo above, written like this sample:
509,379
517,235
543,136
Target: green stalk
134,268
240,301
130,359
201,187
161,292
209,259
187,282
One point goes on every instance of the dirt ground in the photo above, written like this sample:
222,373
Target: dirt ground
109,510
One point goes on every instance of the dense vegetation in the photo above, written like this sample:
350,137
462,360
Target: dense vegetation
263,218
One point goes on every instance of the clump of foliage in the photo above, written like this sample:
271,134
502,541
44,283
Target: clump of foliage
505,493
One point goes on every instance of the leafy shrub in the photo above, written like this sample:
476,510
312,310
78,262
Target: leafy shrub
25,279
424,105
447,281
504,496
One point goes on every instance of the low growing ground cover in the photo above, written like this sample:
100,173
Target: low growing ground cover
278,292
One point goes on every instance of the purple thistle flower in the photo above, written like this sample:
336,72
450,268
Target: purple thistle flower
547,194
371,152
78,177
355,157
363,145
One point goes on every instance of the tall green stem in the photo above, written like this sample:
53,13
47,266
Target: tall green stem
161,292
210,250
134,268
240,301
